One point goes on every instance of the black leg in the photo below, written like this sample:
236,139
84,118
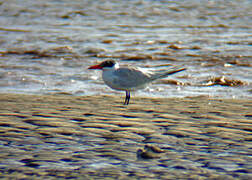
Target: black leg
127,98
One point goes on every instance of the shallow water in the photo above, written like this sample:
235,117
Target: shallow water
46,46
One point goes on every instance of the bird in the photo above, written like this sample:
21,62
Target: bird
130,78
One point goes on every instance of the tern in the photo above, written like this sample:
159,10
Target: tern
130,78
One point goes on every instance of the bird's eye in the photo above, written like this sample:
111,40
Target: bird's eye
108,64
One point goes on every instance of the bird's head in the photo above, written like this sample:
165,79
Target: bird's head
108,64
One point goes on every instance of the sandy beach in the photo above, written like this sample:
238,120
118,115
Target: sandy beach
96,137
59,121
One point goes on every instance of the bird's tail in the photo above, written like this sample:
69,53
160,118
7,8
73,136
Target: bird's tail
164,73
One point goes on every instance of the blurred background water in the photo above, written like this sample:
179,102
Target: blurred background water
46,46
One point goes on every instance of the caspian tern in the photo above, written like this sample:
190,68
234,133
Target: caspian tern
130,78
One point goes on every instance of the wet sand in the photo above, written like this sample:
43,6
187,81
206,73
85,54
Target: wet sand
96,137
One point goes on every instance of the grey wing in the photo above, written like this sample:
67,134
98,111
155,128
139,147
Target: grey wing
130,77
166,72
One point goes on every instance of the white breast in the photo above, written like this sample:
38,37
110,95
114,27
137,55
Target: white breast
109,79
